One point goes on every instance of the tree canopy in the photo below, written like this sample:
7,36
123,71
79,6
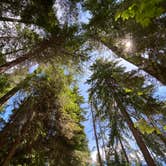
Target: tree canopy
44,47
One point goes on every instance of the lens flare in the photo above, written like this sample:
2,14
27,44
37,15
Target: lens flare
128,44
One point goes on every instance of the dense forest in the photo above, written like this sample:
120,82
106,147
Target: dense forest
46,46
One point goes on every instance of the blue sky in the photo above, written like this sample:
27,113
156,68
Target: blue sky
83,87
160,93
84,17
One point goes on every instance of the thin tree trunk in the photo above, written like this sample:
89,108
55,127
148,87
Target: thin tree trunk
7,96
14,90
124,151
13,63
41,47
136,134
103,142
96,138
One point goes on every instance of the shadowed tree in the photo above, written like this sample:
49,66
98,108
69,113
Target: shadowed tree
46,124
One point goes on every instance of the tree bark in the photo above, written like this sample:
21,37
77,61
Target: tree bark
11,152
17,140
7,96
13,91
96,138
148,69
103,142
39,48
136,134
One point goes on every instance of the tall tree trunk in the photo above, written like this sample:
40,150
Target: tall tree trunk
136,133
11,151
96,138
18,140
103,142
7,96
39,48
13,63
13,91
124,151
155,72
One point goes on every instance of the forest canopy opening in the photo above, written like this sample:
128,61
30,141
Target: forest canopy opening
63,99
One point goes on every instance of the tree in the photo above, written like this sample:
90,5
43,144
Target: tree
46,124
148,46
96,138
108,89
45,39
144,12
22,85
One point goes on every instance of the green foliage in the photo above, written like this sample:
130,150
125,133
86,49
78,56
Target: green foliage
46,120
55,129
164,127
128,90
143,11
104,30
112,90
4,84
144,127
